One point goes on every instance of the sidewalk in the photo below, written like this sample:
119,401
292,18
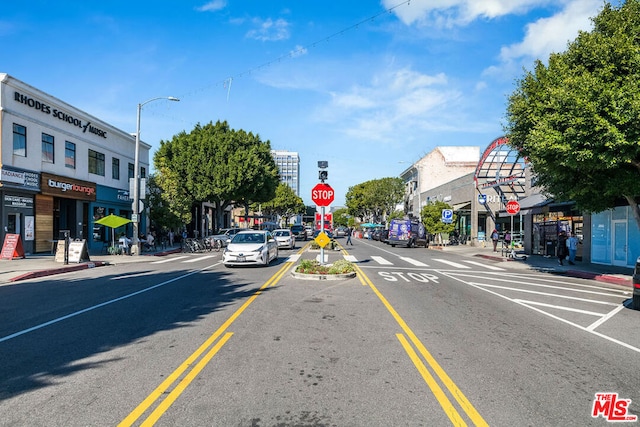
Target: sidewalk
41,265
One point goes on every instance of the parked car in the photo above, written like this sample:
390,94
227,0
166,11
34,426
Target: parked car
299,232
407,232
285,238
224,235
341,231
250,247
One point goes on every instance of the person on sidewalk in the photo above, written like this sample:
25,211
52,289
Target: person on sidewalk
572,245
562,247
495,236
349,232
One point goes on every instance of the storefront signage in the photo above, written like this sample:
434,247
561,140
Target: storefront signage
58,114
18,202
26,179
124,196
68,188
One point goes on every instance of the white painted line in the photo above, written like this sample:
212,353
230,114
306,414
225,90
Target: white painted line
200,258
414,262
558,307
350,258
451,263
527,291
320,260
94,307
490,267
381,260
168,260
293,258
604,318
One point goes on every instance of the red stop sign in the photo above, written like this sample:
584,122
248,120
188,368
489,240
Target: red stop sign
513,207
322,194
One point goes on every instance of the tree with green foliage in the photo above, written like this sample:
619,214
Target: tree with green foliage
576,119
396,215
341,217
375,199
160,216
217,164
285,204
431,215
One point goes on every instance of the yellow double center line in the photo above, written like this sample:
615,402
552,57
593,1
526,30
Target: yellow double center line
440,395
187,365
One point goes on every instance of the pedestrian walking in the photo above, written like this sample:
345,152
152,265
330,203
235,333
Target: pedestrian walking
562,247
349,232
572,245
495,236
507,239
171,236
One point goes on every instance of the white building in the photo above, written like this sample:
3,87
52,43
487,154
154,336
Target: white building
288,163
60,169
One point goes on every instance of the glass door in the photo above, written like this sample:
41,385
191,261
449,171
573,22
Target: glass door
620,243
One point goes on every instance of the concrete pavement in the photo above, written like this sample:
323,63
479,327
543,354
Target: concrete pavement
41,265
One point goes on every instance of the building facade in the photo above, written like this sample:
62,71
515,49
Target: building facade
61,169
288,163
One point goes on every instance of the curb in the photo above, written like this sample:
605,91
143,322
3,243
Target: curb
52,271
304,276
606,278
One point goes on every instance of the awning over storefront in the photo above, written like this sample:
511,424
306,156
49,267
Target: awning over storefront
532,203
462,206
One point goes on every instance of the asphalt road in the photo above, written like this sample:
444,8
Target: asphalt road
419,338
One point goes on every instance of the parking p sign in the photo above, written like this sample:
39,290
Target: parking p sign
447,216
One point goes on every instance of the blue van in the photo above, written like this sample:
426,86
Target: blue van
407,232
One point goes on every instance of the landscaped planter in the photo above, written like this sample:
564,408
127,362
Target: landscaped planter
313,270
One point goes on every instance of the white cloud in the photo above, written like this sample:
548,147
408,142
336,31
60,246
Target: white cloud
212,6
552,34
269,30
446,13
298,51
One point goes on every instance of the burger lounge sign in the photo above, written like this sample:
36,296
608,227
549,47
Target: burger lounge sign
66,187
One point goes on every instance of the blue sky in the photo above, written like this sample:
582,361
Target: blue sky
365,85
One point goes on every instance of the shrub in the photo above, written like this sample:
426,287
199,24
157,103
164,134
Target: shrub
308,266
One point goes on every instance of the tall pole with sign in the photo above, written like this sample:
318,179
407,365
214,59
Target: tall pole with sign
512,207
322,195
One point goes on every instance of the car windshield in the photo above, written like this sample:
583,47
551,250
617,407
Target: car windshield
280,233
248,238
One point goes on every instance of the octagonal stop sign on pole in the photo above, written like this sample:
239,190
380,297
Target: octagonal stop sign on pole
322,194
513,207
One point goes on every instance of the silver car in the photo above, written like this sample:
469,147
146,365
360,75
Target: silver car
251,247
285,238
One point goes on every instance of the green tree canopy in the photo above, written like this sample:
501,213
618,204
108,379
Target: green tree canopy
431,215
160,215
375,199
577,118
285,203
218,164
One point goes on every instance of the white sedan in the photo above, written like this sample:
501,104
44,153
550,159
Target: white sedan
251,247
285,238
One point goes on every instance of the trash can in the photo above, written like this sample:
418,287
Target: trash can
636,286
550,248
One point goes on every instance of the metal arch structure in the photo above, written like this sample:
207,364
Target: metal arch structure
502,168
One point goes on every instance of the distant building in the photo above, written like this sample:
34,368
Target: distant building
288,163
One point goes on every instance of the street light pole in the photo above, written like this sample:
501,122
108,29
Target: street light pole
136,177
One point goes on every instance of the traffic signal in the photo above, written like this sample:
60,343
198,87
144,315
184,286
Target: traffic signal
322,175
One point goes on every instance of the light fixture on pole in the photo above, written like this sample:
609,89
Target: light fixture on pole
136,178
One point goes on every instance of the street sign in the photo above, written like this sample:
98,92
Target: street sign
482,199
447,216
513,207
322,194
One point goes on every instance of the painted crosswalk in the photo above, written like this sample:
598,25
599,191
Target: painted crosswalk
373,260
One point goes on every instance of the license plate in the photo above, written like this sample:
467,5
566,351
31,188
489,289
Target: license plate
242,259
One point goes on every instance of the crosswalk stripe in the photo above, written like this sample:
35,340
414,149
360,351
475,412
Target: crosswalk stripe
414,262
350,258
293,258
381,260
320,260
490,267
201,258
168,260
451,263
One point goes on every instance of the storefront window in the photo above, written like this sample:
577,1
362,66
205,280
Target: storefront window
19,140
601,237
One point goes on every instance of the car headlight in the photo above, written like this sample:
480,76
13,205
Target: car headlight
259,249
